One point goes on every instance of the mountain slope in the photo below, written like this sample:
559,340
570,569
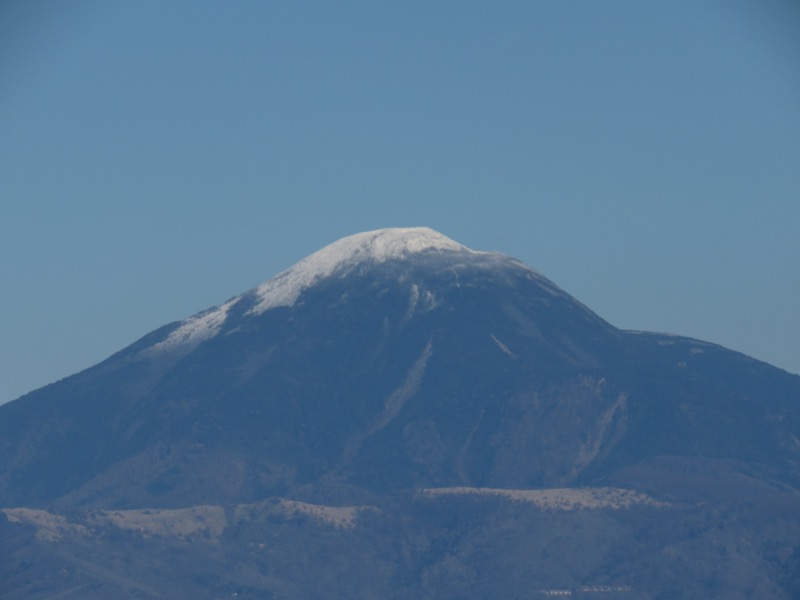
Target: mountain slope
396,361
396,358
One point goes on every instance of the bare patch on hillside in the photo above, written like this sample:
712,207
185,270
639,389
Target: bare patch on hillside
560,498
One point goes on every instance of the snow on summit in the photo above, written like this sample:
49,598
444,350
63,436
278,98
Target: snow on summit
338,258
375,246
284,289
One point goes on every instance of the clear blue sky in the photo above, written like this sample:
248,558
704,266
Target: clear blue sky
157,158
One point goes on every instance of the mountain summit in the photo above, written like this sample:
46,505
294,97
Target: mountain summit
347,254
395,252
399,362
338,259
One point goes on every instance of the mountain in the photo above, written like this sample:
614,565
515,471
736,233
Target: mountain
405,417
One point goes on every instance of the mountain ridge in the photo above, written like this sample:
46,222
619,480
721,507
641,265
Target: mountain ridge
363,250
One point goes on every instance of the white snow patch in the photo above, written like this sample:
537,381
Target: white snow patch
412,303
429,302
503,347
195,330
645,332
420,302
339,257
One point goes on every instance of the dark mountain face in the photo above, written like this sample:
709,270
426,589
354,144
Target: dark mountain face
394,361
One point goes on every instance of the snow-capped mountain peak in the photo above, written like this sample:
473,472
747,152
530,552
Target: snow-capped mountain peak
372,246
284,289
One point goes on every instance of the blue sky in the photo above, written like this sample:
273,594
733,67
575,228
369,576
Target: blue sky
157,158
